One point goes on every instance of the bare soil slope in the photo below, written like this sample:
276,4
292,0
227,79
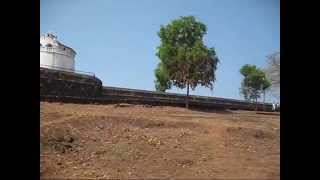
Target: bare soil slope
130,142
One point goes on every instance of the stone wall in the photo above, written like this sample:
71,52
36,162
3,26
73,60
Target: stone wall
61,84
71,87
134,96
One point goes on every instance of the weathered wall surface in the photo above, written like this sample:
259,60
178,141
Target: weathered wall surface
115,95
70,87
62,84
53,58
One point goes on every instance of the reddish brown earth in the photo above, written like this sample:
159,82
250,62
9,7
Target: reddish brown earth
108,142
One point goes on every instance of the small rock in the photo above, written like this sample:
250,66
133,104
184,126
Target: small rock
68,146
100,152
184,163
259,134
60,139
160,143
123,105
69,139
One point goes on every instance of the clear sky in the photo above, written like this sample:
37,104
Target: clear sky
117,39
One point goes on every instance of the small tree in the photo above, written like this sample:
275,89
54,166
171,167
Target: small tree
254,83
183,55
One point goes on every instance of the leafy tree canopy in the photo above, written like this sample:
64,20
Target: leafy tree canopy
184,57
254,83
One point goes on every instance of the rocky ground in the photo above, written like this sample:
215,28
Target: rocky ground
131,142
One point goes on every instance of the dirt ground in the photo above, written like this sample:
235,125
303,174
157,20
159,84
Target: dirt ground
134,142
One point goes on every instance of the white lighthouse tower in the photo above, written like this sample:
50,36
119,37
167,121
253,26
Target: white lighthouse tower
54,55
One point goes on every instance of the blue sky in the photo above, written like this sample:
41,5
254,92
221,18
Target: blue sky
117,39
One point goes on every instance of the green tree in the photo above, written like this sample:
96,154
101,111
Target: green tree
254,83
183,55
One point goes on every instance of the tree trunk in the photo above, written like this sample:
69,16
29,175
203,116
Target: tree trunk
256,104
264,100
187,98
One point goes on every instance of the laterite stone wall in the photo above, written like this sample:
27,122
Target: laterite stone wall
61,84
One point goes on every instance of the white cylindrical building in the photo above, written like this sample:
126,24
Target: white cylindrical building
55,55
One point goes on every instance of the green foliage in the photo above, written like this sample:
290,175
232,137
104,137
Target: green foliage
247,69
183,55
162,82
254,82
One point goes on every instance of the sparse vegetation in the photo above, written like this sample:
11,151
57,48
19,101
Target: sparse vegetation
273,73
108,142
